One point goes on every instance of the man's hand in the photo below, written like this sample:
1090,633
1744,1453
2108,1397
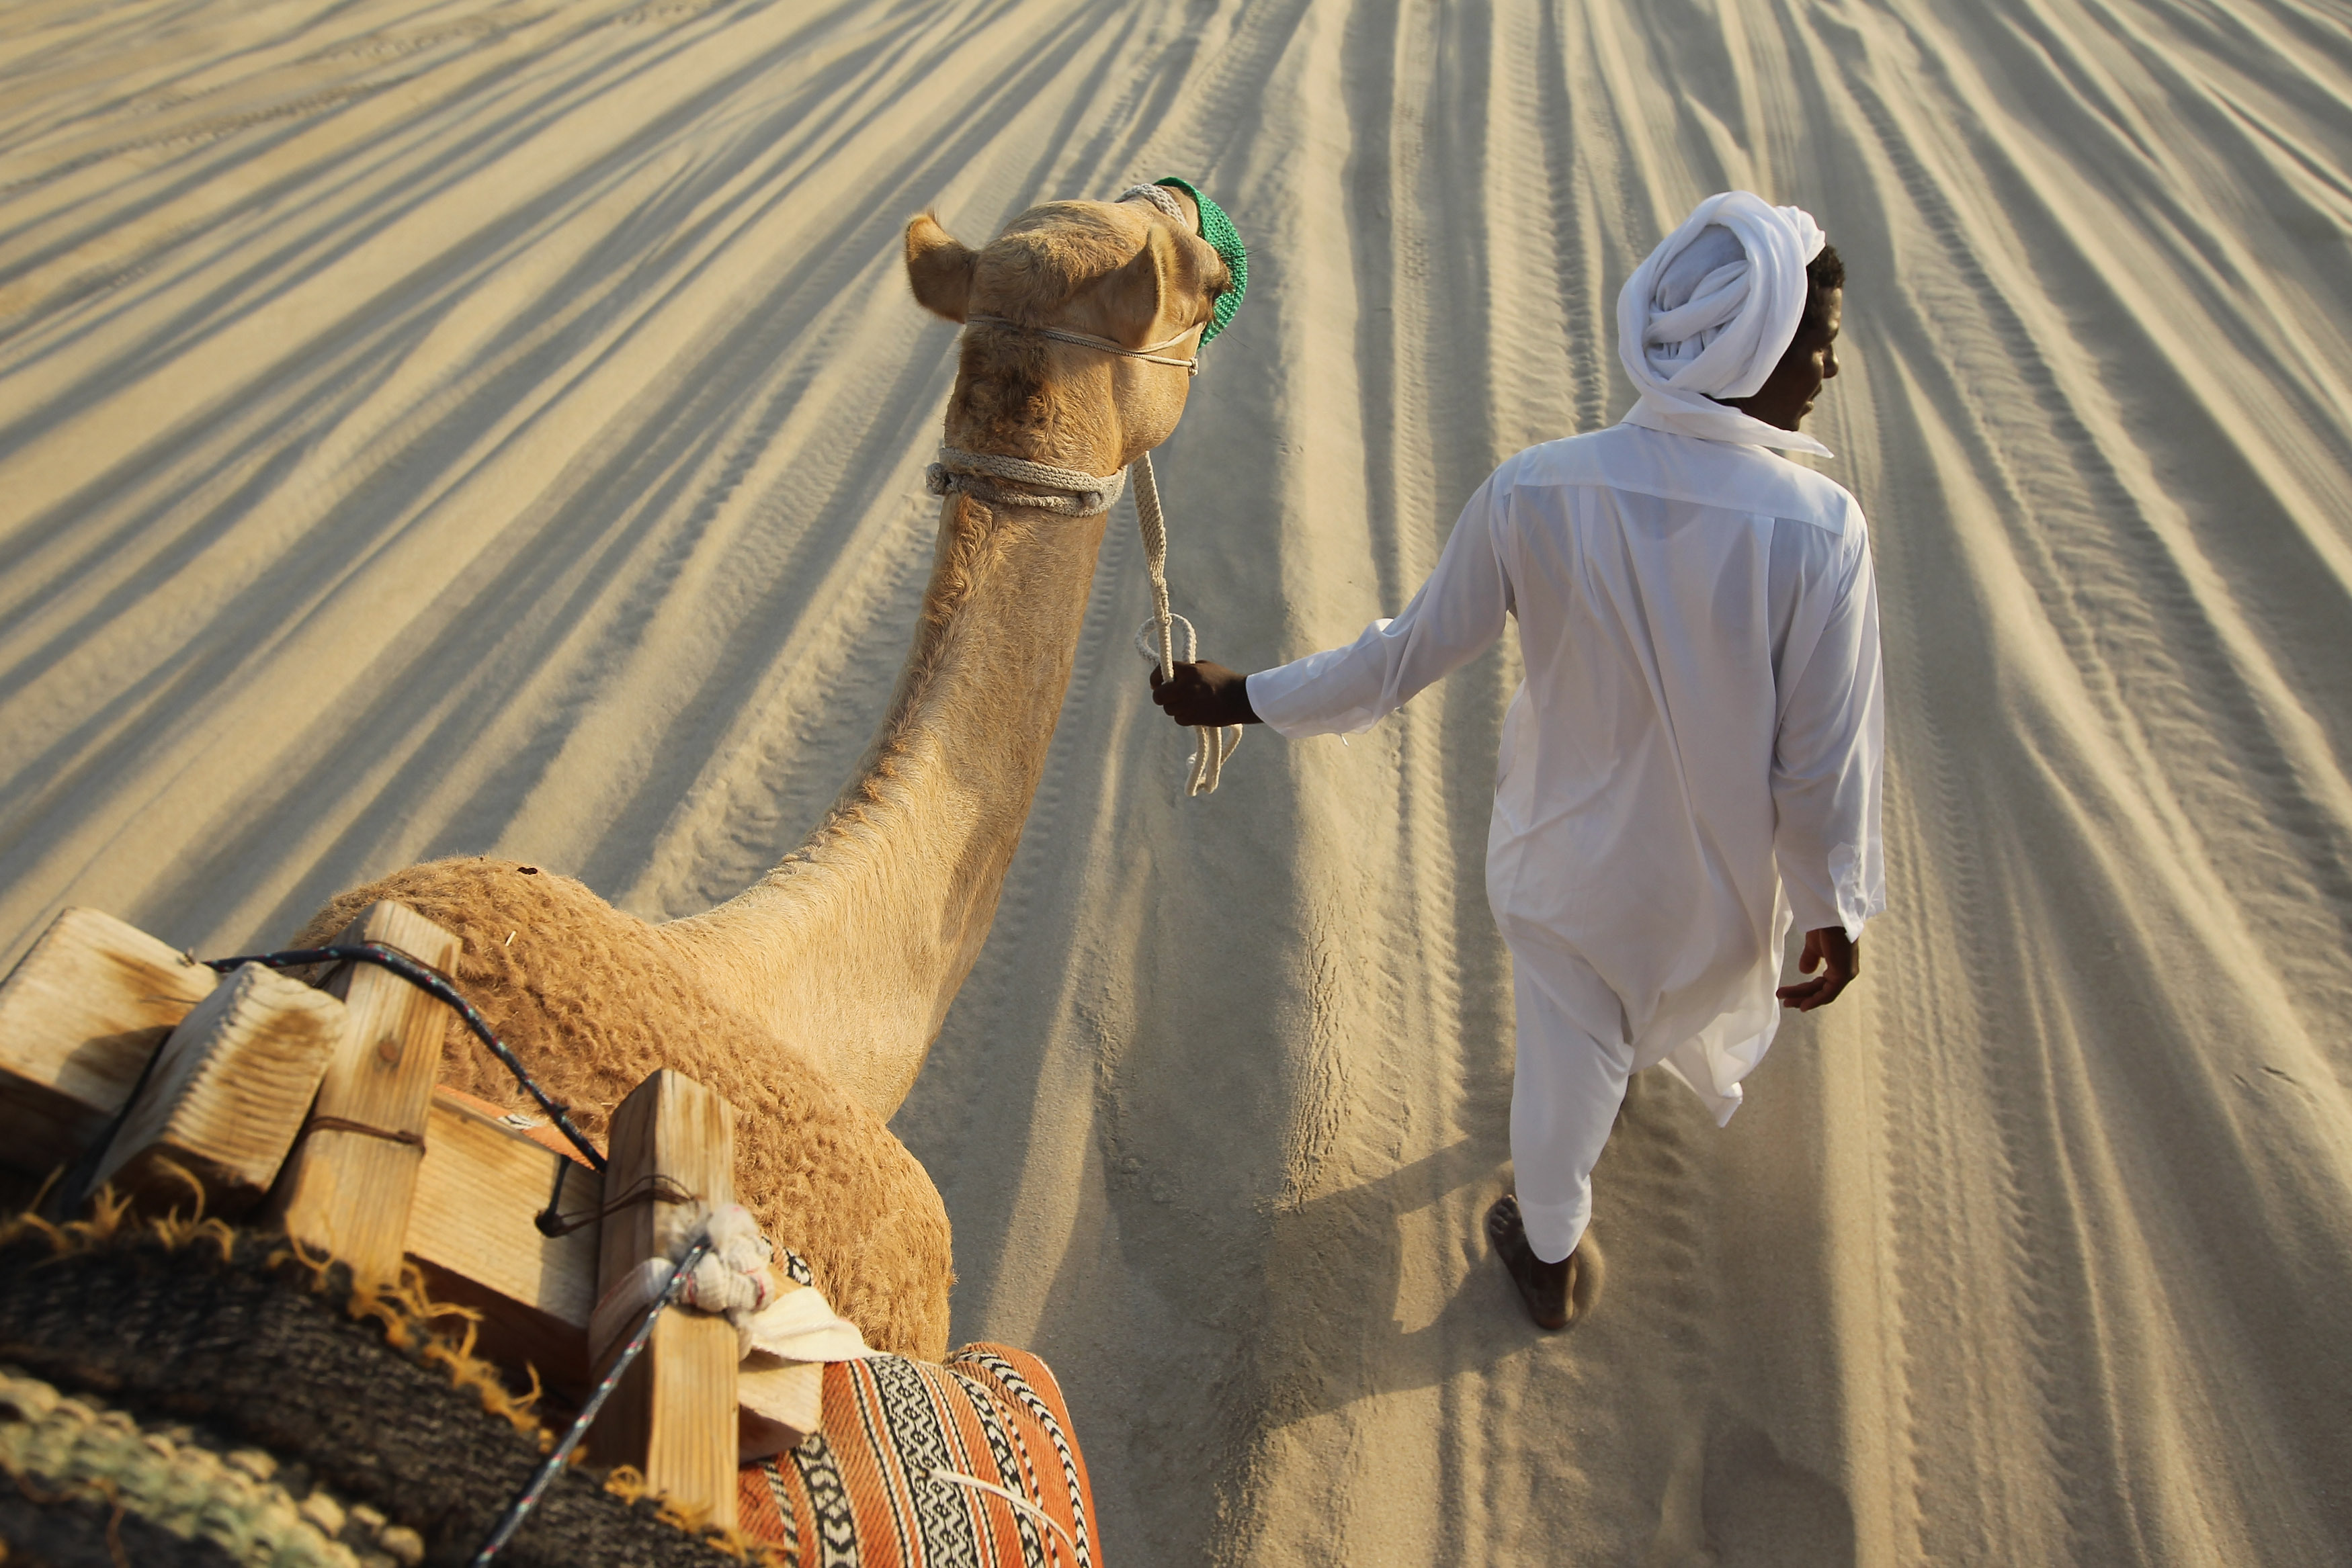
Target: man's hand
1838,961
1204,694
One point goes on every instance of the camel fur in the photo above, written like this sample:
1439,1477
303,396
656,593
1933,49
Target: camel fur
811,999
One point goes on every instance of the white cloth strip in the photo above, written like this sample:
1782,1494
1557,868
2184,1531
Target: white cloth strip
736,1280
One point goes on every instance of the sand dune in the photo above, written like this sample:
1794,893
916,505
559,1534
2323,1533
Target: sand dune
471,426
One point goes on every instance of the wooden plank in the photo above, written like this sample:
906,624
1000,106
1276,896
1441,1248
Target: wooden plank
347,1186
80,1016
673,1416
226,1095
472,1230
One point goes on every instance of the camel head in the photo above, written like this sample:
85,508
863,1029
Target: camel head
1125,271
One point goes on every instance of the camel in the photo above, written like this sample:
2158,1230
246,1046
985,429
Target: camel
811,998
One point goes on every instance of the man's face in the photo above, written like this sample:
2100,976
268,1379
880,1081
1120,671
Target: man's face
1788,393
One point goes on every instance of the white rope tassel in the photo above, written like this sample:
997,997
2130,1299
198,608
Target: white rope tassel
1208,759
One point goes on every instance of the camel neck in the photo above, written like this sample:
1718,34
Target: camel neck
864,934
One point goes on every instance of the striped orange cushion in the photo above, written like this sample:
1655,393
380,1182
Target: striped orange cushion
913,1464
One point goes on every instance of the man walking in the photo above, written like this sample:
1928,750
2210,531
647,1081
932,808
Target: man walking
1693,759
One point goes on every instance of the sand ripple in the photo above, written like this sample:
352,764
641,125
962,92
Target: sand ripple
479,427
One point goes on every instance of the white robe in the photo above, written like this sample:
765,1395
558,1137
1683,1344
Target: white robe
1695,752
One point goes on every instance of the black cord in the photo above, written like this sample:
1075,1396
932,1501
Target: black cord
439,986
528,1499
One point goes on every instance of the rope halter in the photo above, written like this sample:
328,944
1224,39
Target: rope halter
1149,353
1075,493
1070,492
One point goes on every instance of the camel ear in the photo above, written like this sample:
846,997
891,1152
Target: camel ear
1171,274
938,268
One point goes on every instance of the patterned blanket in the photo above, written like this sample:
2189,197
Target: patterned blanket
967,1464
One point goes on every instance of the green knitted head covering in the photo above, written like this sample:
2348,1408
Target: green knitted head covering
1218,230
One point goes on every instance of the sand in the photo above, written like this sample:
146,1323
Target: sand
430,428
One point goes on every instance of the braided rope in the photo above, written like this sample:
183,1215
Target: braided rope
1159,196
182,1487
1072,493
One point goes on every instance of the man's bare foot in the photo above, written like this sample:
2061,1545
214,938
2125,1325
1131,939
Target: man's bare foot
1556,1294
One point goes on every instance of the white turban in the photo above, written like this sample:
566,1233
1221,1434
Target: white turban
1711,312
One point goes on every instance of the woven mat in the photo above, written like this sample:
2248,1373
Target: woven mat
248,1353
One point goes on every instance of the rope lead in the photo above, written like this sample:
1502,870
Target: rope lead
1208,759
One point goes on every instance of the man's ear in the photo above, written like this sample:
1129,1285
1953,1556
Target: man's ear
939,269
1173,274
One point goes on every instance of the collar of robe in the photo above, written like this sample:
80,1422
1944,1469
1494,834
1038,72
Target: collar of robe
1711,421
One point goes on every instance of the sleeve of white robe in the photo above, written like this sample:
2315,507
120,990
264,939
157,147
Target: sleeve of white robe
1458,614
1829,758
